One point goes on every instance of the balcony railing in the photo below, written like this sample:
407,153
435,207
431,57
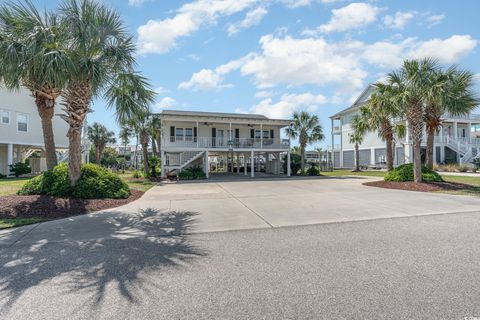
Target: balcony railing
225,143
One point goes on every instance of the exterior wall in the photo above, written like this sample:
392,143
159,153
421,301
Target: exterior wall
3,159
17,103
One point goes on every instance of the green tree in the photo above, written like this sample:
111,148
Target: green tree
124,136
307,128
359,127
381,113
30,57
101,58
99,135
450,91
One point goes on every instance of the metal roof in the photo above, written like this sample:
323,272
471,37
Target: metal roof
216,115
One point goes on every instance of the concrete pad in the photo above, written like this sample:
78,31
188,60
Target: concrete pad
10,236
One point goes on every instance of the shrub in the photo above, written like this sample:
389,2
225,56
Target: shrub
313,170
154,164
137,174
295,163
2,176
476,163
94,182
462,168
19,168
405,173
192,174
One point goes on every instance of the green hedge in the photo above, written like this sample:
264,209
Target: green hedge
95,182
405,173
193,173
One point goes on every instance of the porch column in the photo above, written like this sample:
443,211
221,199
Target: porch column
206,164
164,172
238,162
245,171
197,134
442,153
469,132
252,166
434,154
289,170
261,136
455,130
9,157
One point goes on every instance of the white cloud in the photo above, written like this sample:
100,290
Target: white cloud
434,19
354,15
205,79
399,20
161,90
296,62
159,36
288,103
448,50
166,103
136,3
252,18
193,56
263,94
296,3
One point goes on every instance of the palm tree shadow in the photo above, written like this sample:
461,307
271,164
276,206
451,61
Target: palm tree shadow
132,246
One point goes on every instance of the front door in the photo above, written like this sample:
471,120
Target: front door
221,137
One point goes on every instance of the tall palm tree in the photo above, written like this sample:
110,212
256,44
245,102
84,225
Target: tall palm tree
450,91
99,135
307,128
124,136
382,113
156,134
141,123
30,57
410,86
101,55
360,127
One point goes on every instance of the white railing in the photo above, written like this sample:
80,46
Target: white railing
179,159
236,143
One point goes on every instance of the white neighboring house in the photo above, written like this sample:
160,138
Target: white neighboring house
21,131
197,138
457,142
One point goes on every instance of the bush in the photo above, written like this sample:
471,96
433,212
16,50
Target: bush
2,176
313,170
94,182
19,168
295,163
154,164
137,174
405,173
476,163
192,173
462,168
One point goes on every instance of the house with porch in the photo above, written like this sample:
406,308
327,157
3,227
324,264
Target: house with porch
223,142
458,141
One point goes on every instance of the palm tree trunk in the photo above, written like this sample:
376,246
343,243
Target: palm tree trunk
135,152
357,158
98,155
430,141
415,123
46,110
302,158
144,143
78,98
389,147
154,146
124,157
159,144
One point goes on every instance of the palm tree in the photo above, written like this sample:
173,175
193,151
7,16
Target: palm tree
410,85
124,136
359,127
142,125
99,135
450,91
101,55
156,133
307,128
381,113
30,57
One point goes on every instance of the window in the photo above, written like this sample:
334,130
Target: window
257,134
22,122
179,133
189,134
4,117
266,134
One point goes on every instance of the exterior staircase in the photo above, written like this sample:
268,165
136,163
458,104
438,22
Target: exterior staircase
468,150
180,160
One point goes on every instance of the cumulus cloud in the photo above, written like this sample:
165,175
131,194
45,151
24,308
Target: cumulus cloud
288,103
252,18
166,103
434,19
296,3
446,50
399,20
354,15
136,3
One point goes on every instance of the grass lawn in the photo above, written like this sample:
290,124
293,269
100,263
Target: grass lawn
17,222
137,184
338,173
11,185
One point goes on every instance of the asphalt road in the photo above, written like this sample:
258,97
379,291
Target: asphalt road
425,267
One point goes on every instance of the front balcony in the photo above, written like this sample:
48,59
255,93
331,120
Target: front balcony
225,143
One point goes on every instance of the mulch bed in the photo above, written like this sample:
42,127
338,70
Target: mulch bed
48,207
422,186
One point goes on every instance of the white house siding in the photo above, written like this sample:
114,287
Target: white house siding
400,156
348,159
3,159
336,159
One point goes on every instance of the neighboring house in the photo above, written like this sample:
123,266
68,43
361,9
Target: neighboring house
457,142
240,141
21,132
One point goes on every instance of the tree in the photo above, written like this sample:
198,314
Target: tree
449,91
30,57
411,88
359,127
156,134
124,136
99,135
142,125
101,58
307,128
382,113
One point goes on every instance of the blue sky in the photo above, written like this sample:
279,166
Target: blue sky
278,56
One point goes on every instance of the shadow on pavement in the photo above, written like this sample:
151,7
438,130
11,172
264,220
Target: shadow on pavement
132,244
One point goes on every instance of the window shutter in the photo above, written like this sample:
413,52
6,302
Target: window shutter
195,132
172,131
237,133
252,133
271,134
214,132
